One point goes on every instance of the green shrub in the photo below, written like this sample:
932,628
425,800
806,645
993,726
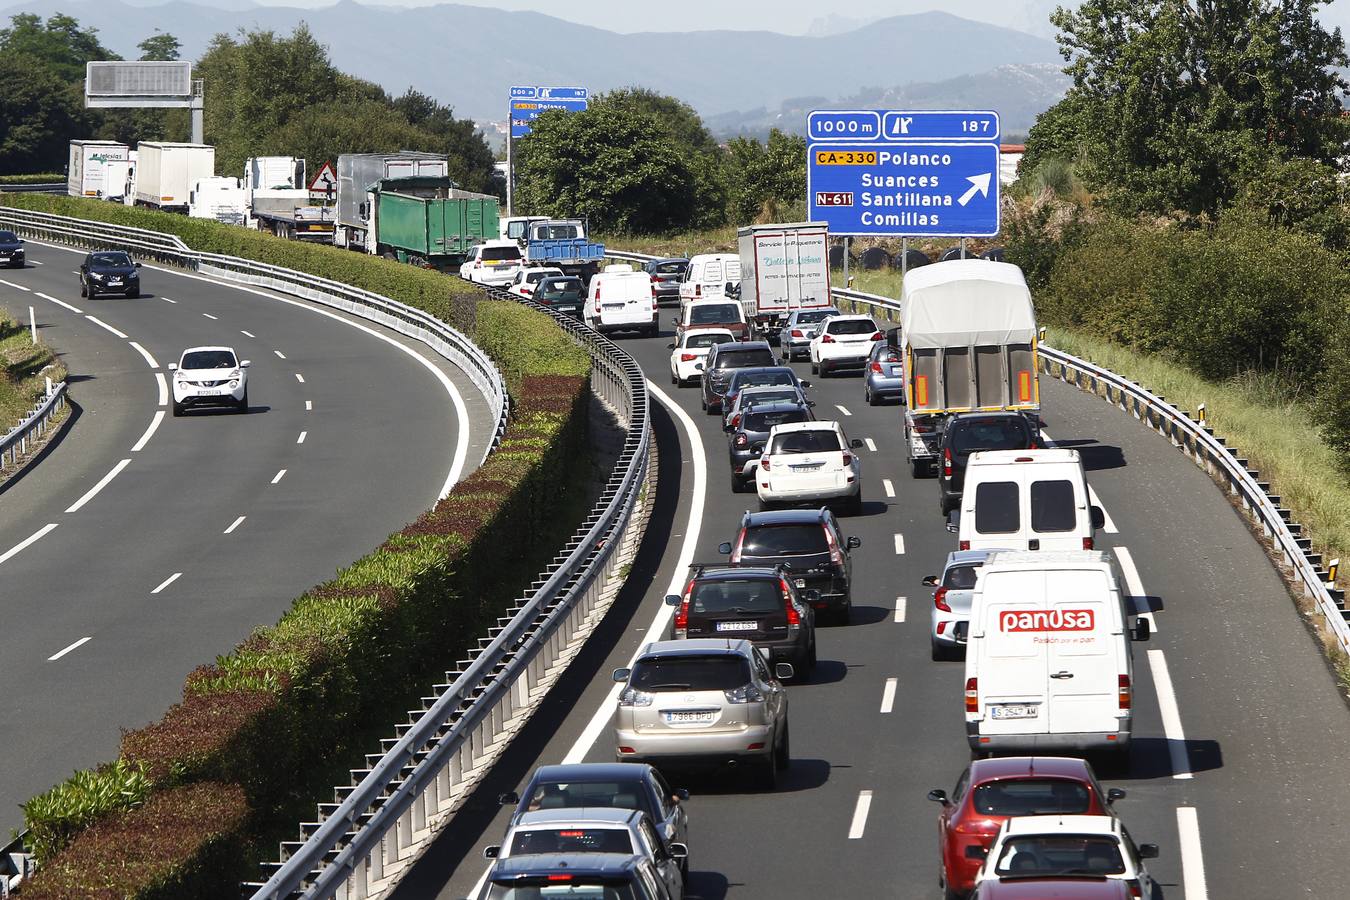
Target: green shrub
55,817
45,178
1333,395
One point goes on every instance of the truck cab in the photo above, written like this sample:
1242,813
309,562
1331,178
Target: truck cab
517,228
219,198
564,243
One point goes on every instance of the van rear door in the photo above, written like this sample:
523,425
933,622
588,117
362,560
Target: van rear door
1011,662
1083,642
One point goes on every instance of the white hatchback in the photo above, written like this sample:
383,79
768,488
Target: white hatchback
527,280
1051,846
809,462
844,342
209,376
691,349
492,263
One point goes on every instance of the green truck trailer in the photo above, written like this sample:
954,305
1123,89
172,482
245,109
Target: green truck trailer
428,222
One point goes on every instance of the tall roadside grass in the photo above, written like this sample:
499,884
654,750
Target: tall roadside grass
22,365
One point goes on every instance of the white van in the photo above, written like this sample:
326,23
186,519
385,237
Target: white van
1048,655
1026,500
708,276
621,301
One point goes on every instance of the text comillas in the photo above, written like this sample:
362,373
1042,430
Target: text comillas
1047,620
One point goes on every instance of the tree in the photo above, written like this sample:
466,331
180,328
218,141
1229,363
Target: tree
472,163
765,177
320,132
160,46
59,44
1176,104
39,112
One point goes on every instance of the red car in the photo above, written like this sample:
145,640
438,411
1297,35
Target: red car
1069,887
991,791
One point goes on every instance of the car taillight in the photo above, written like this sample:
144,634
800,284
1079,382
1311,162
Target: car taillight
1087,543
682,614
1126,695
836,555
525,288
965,545
947,462
1032,445
848,458
826,339
876,367
764,463
793,617
742,440
688,357
972,695
940,599
878,336
797,332
1135,889
698,290
736,421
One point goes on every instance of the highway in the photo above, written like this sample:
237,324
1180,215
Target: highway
1239,725
143,545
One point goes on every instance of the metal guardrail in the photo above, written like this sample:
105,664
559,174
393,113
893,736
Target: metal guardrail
365,842
14,445
445,340
52,187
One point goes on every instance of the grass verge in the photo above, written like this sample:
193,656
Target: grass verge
22,379
41,178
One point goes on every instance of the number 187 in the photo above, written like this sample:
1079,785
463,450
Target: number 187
975,126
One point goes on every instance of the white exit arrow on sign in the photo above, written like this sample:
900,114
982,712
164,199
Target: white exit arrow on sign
977,183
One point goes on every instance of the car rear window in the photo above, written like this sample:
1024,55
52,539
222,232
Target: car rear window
1031,797
1052,507
852,326
763,421
722,672
671,268
996,508
1001,433
556,288
572,840
1046,854
808,318
574,794
741,359
707,338
720,312
764,379
578,887
757,595
884,353
821,441
500,253
961,578
784,540
556,232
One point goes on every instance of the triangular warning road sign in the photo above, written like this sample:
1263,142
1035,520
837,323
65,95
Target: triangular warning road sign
325,179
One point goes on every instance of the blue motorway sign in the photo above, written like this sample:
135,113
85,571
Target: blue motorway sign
887,188
527,103
980,126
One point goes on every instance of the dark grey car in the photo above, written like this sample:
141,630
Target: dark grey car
11,250
810,546
566,294
747,441
884,377
968,432
666,275
794,339
723,359
109,272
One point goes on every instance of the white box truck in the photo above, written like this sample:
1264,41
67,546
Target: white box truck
218,197
85,169
783,267
166,172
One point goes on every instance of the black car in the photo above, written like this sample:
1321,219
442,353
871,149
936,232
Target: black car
613,876
759,604
610,785
809,546
11,250
666,275
723,359
758,376
109,272
968,432
747,440
565,294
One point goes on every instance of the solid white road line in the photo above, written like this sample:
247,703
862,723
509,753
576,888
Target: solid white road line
149,432
167,300
890,488
167,581
13,285
1192,859
103,482
657,628
279,354
163,389
900,603
309,404
301,438
300,378
280,475
1109,526
888,694
1171,718
211,317
859,824
247,333
102,324
1134,584
235,524
74,309
75,646
146,353
31,539
842,410
871,444
899,544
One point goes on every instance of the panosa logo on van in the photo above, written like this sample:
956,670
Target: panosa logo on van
1047,620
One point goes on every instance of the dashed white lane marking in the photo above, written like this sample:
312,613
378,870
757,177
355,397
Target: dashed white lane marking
149,432
309,405
145,353
301,438
247,333
167,300
1109,524
1134,584
102,324
300,378
842,410
13,285
75,646
900,603
1171,718
103,482
871,444
279,354
890,488
859,823
31,539
888,694
74,309
899,544
211,317
1192,858
167,581
235,524
163,389
34,262
280,475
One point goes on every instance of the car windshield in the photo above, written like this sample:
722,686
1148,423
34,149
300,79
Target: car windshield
109,259
576,888
764,379
764,421
714,312
784,540
741,359
700,339
817,441
760,595
208,359
1060,854
500,253
851,326
961,578
8,237
1031,797
1002,433
572,840
815,315
767,395
722,672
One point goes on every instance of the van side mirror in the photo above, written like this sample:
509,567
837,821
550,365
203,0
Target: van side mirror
682,793
930,581
1142,630
672,599
784,671
173,367
938,795
510,798
975,851
1114,794
138,265
492,852
811,596
852,543
1098,517
621,675
1148,851
724,548
679,851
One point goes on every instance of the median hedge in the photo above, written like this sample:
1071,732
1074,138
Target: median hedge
227,763
45,178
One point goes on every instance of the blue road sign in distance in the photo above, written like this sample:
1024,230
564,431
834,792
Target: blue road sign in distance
893,189
926,125
527,103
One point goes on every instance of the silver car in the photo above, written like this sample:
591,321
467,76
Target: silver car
711,702
794,340
884,376
955,588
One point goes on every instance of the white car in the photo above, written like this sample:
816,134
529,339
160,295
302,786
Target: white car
691,349
809,462
1051,845
527,280
209,376
844,342
492,263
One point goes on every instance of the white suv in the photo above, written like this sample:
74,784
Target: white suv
843,342
809,462
527,280
492,262
209,376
